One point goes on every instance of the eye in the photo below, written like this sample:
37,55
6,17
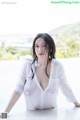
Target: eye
36,46
44,46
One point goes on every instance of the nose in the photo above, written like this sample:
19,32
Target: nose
40,49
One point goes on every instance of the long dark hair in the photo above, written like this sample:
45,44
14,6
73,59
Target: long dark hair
51,46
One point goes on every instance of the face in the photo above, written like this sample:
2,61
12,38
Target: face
41,49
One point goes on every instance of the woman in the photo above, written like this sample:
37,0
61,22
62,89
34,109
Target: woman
41,78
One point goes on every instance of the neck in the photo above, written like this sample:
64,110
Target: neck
42,62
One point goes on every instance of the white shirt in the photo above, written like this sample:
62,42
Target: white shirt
36,97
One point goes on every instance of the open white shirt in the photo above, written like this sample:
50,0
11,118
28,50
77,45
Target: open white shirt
36,97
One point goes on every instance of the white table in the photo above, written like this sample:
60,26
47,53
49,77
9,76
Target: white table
70,113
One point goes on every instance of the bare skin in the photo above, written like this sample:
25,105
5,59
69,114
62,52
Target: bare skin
42,78
14,98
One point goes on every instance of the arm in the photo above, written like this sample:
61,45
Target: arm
18,89
66,90
13,100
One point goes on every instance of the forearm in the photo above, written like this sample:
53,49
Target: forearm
12,101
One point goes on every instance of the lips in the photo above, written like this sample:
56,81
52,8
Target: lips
41,54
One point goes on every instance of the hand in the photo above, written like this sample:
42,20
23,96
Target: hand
77,104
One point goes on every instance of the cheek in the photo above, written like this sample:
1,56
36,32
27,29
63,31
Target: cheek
36,51
46,51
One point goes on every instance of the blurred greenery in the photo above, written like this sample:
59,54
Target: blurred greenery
67,40
67,49
70,49
12,53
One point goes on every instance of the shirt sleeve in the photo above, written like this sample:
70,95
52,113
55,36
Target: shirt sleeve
22,78
65,88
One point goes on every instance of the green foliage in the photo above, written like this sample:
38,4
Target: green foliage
0,55
64,49
11,53
68,49
11,50
67,38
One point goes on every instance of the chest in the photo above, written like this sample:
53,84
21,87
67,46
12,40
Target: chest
42,77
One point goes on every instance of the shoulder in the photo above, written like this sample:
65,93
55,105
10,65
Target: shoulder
28,61
57,65
56,62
